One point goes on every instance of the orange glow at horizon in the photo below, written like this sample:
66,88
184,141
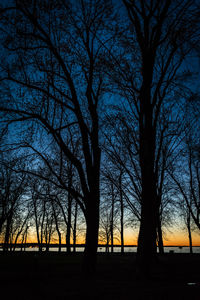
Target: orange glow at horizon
178,238
175,239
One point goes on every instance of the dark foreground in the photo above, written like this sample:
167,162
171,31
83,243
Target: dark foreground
57,276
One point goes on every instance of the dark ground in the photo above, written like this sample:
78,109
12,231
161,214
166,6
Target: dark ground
29,275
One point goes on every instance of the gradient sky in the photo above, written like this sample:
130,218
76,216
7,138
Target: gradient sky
174,237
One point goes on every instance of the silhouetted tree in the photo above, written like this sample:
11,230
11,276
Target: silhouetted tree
21,226
60,60
113,189
160,38
75,226
189,225
59,79
39,209
188,184
108,214
13,188
56,214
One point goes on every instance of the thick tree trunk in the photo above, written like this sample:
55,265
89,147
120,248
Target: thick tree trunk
122,215
91,245
190,241
92,198
7,234
38,238
147,248
16,239
69,212
57,227
189,233
160,237
159,226
112,219
68,234
47,247
107,245
2,220
59,241
122,232
75,225
147,235
37,227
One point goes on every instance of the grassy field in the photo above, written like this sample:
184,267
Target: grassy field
29,275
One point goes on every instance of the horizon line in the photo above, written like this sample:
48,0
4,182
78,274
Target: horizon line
81,245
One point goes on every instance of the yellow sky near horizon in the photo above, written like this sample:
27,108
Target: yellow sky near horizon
173,238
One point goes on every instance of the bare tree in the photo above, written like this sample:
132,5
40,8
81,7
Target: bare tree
13,188
109,214
58,75
39,209
21,226
186,216
161,39
188,184
56,214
